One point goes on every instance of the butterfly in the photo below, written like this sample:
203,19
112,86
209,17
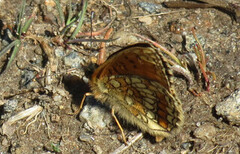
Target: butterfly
136,83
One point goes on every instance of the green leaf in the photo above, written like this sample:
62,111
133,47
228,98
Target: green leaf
60,11
19,27
81,17
14,53
8,47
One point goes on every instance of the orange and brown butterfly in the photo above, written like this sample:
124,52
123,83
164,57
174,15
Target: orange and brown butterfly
136,83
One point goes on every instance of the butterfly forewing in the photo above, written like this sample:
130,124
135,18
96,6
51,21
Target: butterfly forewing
140,59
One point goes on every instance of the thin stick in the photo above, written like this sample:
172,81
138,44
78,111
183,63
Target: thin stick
158,14
90,40
92,14
96,33
162,48
102,52
129,143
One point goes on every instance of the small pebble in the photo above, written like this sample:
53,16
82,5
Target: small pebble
86,137
205,131
187,145
164,151
73,60
198,124
97,149
191,42
59,52
27,78
149,7
95,116
57,98
124,38
55,118
50,3
230,108
10,105
147,20
2,102
4,141
176,38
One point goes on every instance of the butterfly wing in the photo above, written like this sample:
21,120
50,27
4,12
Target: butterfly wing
139,59
134,82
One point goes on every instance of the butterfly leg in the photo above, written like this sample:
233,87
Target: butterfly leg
120,127
81,104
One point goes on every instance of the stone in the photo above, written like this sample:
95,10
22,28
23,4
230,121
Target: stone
230,108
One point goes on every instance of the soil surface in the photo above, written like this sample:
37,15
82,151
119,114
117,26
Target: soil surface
50,77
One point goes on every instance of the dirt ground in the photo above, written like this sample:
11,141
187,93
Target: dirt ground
44,77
